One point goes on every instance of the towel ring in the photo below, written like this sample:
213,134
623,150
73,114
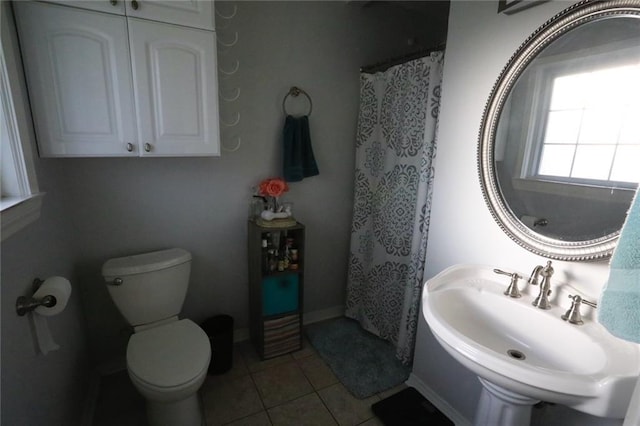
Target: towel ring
295,92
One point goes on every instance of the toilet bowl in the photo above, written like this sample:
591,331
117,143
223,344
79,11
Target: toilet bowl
167,365
167,357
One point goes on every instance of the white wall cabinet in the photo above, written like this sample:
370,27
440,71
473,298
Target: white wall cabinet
109,6
190,13
107,85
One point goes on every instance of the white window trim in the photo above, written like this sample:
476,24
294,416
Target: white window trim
545,72
21,209
576,190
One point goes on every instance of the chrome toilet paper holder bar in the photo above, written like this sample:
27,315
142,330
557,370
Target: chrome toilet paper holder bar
26,304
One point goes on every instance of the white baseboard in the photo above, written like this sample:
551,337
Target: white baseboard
90,399
442,405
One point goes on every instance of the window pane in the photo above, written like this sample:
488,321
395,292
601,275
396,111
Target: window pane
600,126
614,83
563,127
633,91
630,131
593,126
593,162
625,166
556,160
568,92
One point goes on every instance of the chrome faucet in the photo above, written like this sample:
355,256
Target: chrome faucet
573,315
542,301
512,290
533,279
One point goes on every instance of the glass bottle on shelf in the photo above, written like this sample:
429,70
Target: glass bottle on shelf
293,254
270,260
287,252
273,260
265,256
280,257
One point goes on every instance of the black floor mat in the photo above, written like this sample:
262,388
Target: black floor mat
409,408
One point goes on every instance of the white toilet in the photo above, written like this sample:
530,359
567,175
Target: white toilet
167,358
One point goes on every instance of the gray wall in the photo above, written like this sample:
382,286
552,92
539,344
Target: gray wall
479,44
124,206
37,389
99,208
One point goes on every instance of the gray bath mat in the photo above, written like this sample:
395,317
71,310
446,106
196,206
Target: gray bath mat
364,363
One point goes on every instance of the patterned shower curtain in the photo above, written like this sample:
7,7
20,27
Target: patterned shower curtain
395,150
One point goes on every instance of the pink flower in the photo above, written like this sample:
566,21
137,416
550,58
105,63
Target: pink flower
273,187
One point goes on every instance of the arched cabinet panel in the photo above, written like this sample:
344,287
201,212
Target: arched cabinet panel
175,81
78,71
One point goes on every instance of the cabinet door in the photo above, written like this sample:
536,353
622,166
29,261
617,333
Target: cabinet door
79,76
190,13
109,6
175,80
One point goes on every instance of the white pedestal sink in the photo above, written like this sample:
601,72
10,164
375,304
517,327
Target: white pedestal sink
501,407
523,354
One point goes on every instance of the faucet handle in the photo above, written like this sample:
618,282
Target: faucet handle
512,290
592,304
573,315
579,299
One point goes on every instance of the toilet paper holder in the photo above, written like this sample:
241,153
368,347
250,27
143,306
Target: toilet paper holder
26,304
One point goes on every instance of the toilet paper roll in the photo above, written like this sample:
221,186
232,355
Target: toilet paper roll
58,287
42,335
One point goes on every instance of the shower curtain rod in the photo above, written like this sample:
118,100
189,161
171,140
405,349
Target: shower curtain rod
382,66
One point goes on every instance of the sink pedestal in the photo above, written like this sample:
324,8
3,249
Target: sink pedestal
501,407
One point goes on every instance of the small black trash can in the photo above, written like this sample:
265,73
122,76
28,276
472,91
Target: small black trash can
220,331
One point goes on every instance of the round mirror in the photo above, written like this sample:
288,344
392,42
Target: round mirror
559,149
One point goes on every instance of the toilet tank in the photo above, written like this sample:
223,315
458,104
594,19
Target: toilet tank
148,287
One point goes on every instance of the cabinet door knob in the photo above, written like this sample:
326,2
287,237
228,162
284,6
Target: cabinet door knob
113,2
147,147
130,147
134,4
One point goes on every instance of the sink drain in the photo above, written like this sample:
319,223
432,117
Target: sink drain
514,353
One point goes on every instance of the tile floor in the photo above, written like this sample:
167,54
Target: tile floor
297,389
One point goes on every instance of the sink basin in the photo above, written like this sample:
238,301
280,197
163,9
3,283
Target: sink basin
528,351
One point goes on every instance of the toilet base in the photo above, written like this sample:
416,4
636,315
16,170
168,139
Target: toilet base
186,412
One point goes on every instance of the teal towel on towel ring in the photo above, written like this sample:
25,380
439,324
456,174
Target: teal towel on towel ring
619,308
298,159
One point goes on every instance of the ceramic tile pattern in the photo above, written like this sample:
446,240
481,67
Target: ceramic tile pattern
296,389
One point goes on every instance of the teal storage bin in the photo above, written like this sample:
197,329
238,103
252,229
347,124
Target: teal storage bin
279,294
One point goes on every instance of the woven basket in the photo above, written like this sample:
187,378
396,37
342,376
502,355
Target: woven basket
276,223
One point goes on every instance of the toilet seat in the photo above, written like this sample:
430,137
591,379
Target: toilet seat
169,356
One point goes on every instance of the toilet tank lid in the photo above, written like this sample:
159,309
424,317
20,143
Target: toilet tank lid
145,262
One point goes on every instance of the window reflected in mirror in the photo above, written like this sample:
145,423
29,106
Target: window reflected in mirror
593,135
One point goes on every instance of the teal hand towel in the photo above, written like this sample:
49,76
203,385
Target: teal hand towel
619,308
298,159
